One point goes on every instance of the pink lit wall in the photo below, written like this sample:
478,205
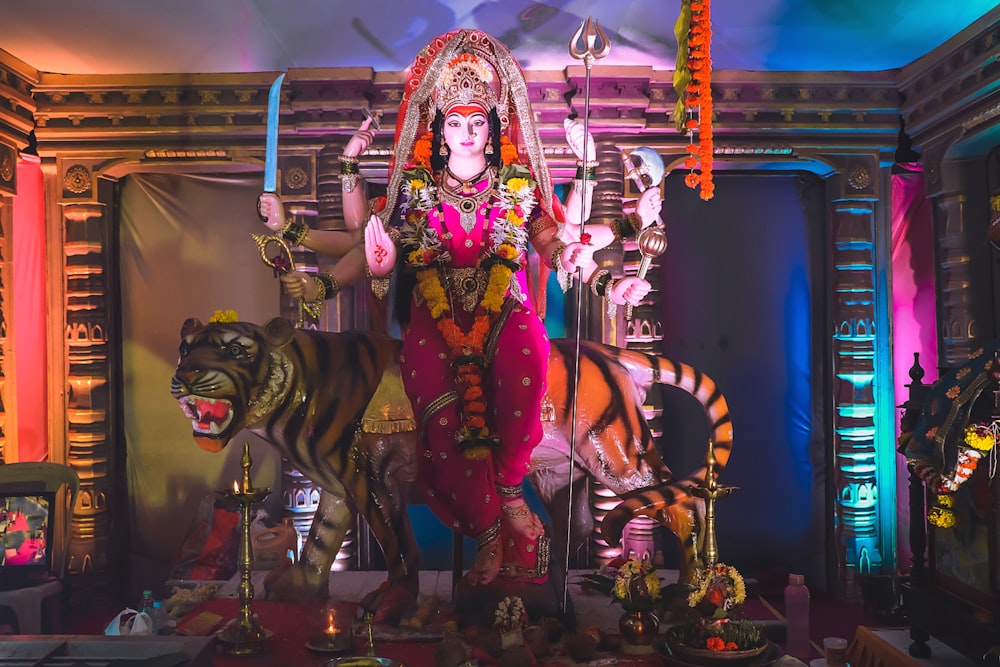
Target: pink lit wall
28,281
913,312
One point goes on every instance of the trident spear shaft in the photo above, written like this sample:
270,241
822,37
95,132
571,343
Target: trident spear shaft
583,47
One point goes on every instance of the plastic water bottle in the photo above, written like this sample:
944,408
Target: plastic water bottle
797,618
159,617
146,604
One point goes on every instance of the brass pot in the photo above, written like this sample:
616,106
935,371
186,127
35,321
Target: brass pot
638,626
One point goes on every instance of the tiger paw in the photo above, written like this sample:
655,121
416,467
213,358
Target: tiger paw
295,583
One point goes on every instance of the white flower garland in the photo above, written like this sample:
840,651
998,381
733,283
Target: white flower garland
509,614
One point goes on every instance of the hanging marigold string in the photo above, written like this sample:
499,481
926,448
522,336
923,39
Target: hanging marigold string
693,84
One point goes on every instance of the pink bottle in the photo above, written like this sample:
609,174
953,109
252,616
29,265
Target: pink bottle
797,618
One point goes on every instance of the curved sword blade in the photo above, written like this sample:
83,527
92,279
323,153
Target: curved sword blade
271,140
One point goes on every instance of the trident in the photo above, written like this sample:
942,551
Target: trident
583,47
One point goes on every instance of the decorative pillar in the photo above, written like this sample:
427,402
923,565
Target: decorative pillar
90,446
954,279
609,189
858,539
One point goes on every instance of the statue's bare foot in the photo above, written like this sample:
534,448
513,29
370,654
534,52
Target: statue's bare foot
487,565
522,520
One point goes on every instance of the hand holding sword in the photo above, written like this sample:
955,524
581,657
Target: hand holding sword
274,249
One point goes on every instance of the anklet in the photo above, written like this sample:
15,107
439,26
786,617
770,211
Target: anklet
488,535
515,513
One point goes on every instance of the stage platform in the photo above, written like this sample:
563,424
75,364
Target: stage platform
591,609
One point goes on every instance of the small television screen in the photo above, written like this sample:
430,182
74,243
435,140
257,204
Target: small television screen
26,531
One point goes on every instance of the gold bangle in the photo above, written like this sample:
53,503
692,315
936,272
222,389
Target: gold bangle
555,260
510,491
328,284
315,307
294,233
540,224
599,282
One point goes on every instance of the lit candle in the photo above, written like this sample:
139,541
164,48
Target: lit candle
236,486
331,627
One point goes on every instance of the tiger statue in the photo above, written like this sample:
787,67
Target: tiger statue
307,392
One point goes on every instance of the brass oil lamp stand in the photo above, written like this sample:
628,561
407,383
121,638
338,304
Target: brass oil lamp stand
244,636
710,490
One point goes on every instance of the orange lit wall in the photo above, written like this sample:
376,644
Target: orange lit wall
28,281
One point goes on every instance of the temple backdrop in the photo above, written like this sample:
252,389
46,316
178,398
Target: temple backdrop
739,279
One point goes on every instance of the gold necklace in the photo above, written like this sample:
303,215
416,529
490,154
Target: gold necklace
465,197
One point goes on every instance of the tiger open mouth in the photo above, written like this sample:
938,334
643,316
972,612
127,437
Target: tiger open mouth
210,417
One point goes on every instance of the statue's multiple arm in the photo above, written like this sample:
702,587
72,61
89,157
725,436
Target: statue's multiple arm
374,248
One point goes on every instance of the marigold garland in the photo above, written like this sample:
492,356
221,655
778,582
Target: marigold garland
632,583
508,151
422,151
980,437
941,514
427,256
223,317
720,585
978,440
693,83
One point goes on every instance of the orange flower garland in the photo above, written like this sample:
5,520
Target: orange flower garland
696,94
422,151
508,151
425,254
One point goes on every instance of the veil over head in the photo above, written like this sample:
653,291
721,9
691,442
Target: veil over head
421,96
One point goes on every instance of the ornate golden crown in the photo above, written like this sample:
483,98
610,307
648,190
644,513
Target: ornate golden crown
465,80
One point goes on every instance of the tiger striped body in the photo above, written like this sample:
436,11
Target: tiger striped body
306,391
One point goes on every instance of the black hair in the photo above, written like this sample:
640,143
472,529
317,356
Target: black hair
438,161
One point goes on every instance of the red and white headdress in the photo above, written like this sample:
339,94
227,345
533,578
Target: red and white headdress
466,67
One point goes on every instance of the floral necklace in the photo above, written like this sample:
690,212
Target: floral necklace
428,257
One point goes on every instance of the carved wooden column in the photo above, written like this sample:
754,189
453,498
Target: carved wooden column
90,436
959,329
853,292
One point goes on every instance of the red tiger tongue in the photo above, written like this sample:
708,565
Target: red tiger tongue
211,412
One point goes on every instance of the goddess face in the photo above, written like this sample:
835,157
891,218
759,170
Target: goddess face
466,131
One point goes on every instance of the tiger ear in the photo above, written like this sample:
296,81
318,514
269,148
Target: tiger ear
278,331
190,325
